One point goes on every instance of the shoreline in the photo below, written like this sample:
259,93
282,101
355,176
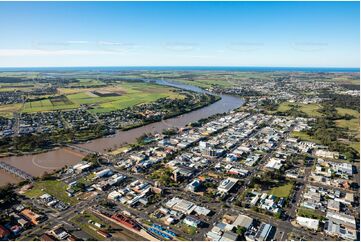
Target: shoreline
56,147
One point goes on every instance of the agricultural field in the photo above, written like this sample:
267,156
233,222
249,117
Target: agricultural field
104,99
8,110
208,83
86,83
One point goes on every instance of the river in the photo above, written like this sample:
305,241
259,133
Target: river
52,160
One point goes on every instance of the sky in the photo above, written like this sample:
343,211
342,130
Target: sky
267,34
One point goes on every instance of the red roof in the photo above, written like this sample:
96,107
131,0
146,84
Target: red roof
3,232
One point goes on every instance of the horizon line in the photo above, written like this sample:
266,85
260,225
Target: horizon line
209,66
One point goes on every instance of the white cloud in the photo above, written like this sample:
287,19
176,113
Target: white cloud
177,46
77,42
37,52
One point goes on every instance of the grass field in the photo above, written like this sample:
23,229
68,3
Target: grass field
81,220
9,109
128,94
308,213
311,109
206,83
353,125
86,83
304,136
282,191
52,187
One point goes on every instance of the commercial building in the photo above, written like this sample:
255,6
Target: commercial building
308,222
226,185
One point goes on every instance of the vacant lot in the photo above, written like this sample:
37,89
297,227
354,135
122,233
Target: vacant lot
282,191
53,187
304,137
82,221
311,109
352,125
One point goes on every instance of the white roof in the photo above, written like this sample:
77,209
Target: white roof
308,222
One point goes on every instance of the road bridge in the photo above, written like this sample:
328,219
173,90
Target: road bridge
16,171
82,149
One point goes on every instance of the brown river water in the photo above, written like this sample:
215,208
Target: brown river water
52,160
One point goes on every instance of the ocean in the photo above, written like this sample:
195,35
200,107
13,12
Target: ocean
185,68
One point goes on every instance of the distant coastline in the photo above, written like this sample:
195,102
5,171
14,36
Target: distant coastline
185,68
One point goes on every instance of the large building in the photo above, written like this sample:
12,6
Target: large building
227,184
33,217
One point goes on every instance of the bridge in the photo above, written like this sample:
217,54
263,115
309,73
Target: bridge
81,149
17,172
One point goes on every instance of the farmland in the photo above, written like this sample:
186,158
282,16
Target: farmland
122,95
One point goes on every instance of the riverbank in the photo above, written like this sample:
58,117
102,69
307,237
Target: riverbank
53,160
211,99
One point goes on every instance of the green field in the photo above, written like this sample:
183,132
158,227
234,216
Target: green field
127,95
308,213
353,125
206,83
304,136
86,83
311,109
282,191
81,220
9,109
53,187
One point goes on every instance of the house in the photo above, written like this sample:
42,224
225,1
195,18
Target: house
333,205
229,236
47,237
327,154
211,236
4,233
193,186
60,233
274,163
243,221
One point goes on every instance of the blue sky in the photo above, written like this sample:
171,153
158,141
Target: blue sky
296,34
